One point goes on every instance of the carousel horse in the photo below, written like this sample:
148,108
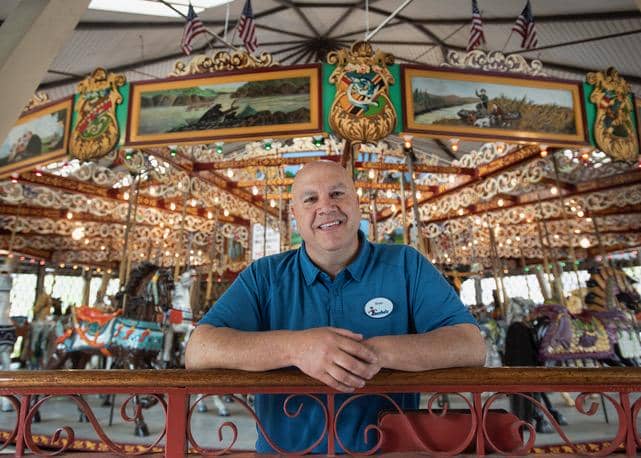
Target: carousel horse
180,323
591,336
131,336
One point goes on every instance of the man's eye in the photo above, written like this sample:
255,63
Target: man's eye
337,194
309,200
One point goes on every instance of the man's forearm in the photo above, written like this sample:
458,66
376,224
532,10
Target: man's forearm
224,348
450,346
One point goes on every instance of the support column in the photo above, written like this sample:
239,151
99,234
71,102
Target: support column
30,38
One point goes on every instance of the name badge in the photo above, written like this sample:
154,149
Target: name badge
379,307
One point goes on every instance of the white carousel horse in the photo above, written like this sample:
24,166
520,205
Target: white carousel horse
7,328
181,322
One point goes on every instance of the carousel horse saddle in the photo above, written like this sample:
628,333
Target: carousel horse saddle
575,337
137,335
98,334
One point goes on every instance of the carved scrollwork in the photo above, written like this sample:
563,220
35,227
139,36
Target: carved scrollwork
222,61
613,128
494,61
36,100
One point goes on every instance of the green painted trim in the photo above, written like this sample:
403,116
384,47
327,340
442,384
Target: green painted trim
590,112
329,92
396,96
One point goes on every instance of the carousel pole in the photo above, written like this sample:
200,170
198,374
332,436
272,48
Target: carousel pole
544,280
478,291
572,254
409,159
86,286
132,229
210,274
558,286
374,218
125,246
181,230
494,254
281,228
265,211
611,279
525,271
403,211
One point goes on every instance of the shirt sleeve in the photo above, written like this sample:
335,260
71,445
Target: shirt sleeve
239,307
434,301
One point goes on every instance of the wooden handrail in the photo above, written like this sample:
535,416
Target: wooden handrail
460,379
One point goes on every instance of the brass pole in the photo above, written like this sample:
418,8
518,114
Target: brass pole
417,221
123,256
544,281
403,211
181,230
212,250
565,219
132,228
494,255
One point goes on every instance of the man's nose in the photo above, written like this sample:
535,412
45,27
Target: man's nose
325,205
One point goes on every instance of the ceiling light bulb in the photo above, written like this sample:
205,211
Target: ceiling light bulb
584,242
371,174
255,190
230,173
172,206
554,190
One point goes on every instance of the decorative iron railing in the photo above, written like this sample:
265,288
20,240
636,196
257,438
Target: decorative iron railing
477,428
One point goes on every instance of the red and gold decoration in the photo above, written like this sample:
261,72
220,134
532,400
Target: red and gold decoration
96,132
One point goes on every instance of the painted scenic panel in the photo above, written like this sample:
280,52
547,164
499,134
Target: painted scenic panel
234,106
37,138
484,106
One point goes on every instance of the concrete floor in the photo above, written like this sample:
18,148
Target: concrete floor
60,411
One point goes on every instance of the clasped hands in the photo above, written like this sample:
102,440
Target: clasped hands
337,357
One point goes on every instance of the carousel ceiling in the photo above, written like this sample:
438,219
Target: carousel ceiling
476,202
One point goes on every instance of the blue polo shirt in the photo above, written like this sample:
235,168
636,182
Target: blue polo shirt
385,290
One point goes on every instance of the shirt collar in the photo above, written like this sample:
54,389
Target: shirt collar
355,268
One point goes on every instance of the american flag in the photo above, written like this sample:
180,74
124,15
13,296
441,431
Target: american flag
524,26
247,28
193,27
476,32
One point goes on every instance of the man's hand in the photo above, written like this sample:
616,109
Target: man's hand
336,357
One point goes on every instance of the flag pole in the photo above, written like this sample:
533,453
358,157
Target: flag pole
217,37
507,41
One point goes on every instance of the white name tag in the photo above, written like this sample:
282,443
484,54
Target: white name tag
379,307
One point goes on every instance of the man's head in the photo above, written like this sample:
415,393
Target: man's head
325,205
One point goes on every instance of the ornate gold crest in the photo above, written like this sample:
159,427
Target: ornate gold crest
362,111
613,128
96,132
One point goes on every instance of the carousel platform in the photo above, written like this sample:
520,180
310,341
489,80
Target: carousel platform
589,433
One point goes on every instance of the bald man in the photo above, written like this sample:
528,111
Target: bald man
339,308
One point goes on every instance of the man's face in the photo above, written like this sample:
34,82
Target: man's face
326,208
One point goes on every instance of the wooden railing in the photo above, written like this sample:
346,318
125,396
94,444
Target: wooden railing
172,389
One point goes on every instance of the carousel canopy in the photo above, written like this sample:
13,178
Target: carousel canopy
200,204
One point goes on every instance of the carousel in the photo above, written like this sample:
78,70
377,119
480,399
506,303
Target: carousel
128,207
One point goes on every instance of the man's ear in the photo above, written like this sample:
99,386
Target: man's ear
291,209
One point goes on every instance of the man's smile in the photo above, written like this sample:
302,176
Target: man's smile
329,225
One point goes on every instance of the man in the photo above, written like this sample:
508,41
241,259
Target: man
339,308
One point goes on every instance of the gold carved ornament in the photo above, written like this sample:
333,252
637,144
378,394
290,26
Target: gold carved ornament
613,128
362,111
222,61
96,133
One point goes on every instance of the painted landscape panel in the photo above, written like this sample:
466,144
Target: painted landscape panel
37,138
220,107
482,105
